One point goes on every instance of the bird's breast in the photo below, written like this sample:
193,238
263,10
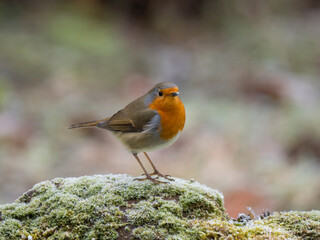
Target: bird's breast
172,118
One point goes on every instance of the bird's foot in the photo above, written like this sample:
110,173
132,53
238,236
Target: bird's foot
158,174
148,177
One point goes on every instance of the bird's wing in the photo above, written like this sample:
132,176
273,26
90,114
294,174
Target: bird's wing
124,121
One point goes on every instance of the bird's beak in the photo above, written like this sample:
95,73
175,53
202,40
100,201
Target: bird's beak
174,94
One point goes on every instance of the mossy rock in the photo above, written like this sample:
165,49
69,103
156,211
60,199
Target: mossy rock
117,207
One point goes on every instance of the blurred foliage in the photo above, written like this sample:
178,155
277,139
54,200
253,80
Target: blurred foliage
248,73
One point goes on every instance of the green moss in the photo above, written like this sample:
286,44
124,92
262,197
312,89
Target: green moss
104,207
10,229
117,207
302,224
283,225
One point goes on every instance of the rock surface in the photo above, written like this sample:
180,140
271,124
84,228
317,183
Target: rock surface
117,207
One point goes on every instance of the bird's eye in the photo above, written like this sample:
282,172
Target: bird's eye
160,93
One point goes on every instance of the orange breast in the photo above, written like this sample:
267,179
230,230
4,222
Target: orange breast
172,113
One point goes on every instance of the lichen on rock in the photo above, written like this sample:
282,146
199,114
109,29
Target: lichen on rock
117,207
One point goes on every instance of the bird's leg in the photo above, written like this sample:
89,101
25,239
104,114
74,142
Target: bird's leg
156,172
147,175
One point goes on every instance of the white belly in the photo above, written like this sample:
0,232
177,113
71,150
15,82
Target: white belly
140,142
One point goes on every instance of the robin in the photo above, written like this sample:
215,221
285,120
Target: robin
150,122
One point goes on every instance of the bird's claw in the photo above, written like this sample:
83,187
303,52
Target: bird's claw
148,177
158,174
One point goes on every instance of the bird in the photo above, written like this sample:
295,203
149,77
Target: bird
152,121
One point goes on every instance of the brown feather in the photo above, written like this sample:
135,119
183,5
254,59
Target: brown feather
131,118
87,124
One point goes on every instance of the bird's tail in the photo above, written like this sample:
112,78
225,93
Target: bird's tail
84,124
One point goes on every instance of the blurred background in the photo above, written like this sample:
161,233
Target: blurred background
248,73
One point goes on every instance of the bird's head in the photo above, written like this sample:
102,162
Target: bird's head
164,96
